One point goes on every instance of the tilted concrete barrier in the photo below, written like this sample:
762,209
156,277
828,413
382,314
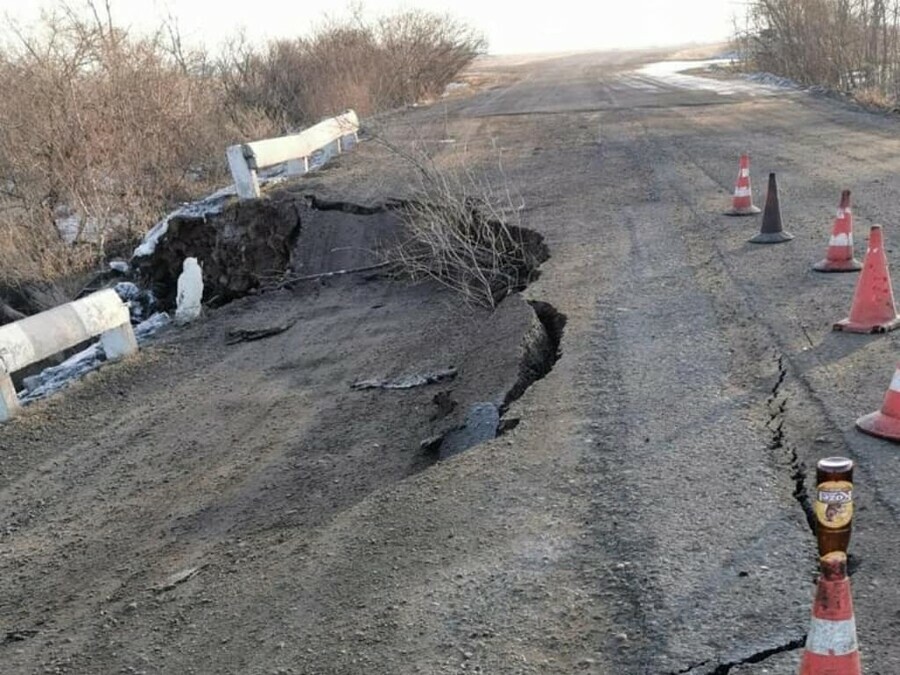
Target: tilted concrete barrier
246,159
38,337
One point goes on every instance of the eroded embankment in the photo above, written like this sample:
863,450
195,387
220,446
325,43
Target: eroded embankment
298,241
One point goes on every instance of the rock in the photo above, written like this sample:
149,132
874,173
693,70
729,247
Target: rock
481,425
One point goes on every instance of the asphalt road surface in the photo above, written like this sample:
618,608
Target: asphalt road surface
649,513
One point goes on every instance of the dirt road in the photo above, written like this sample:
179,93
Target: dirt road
649,513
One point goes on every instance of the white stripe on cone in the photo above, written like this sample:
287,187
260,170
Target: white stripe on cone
741,192
895,381
843,213
836,638
841,240
745,173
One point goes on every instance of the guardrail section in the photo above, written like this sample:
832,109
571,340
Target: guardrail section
247,159
38,337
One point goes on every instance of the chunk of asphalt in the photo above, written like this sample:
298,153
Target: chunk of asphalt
481,425
407,381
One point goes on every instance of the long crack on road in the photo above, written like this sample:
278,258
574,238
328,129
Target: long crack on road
777,405
761,656
321,204
688,669
757,657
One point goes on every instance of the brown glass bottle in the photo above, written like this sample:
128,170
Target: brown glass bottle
834,504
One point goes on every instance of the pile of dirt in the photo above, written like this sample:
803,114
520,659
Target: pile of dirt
239,249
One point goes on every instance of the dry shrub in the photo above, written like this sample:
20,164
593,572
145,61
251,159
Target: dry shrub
349,63
845,45
872,97
102,131
463,230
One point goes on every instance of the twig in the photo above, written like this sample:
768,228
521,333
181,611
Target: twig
325,275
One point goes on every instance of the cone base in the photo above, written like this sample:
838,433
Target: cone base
771,238
849,326
748,211
852,265
830,664
880,425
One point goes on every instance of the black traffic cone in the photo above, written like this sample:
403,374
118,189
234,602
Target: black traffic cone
771,231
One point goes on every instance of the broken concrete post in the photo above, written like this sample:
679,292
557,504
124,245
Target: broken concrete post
9,402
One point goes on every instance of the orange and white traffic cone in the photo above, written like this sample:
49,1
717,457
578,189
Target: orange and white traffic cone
839,256
831,647
742,201
873,309
885,423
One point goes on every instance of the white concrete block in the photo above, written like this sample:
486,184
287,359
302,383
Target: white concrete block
9,402
246,183
119,342
297,167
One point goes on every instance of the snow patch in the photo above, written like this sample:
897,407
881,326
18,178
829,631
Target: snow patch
53,379
672,74
207,206
772,80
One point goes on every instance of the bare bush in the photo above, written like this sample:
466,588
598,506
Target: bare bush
462,229
99,133
351,63
847,45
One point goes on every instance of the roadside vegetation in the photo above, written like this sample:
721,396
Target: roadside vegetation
851,46
103,131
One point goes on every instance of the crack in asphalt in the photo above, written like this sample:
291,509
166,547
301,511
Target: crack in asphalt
777,404
536,363
688,669
757,657
322,204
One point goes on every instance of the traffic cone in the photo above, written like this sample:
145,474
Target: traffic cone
771,231
885,423
873,309
839,256
742,201
831,647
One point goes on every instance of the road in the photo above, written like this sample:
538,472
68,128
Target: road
649,513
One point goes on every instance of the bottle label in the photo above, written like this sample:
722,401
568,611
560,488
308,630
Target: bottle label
834,504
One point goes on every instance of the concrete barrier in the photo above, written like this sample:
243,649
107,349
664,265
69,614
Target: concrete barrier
247,159
38,337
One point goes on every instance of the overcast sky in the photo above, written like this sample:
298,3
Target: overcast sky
511,27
